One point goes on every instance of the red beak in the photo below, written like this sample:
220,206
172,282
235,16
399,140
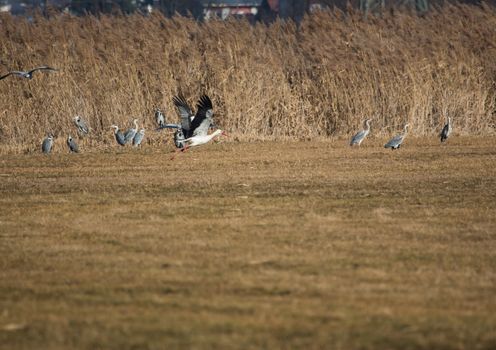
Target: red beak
224,134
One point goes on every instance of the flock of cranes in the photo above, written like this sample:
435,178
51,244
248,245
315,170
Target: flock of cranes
193,128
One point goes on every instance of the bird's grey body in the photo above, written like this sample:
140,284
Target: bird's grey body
179,138
46,146
28,74
71,143
361,135
138,137
81,125
119,136
159,118
131,133
445,133
396,141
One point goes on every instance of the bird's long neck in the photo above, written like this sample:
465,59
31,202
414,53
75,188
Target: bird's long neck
405,130
367,125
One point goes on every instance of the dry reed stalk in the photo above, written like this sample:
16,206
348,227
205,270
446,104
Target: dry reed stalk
267,82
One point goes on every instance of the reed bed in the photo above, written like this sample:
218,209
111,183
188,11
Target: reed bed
279,81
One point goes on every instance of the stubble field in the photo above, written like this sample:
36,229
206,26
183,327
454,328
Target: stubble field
251,245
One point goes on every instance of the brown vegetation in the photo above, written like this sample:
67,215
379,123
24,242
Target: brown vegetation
275,81
249,246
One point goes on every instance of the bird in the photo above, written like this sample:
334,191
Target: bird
396,141
28,74
138,137
46,146
361,135
445,133
130,133
159,118
179,138
81,125
199,123
198,140
73,147
119,136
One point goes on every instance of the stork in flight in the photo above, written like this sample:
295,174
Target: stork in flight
396,141
28,74
194,128
362,134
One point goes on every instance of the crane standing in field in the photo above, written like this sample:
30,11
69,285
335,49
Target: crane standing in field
119,136
28,74
138,138
131,133
361,135
71,143
81,125
396,141
46,146
445,133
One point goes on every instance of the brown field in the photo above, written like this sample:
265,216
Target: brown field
267,82
272,245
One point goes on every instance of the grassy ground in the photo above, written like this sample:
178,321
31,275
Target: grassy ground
259,245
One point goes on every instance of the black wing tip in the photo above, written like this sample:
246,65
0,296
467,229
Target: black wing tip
205,102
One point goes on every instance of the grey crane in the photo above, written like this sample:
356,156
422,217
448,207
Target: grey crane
81,125
46,146
396,141
362,134
119,136
130,133
445,133
71,143
179,138
28,74
159,118
138,137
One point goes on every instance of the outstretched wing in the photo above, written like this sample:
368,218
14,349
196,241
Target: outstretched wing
6,75
42,68
184,111
203,117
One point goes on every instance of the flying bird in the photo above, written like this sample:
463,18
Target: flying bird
71,143
199,123
46,146
81,125
361,135
119,136
130,133
445,133
28,74
138,137
198,140
396,141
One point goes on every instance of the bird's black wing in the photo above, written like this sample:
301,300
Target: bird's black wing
42,68
201,123
184,112
6,75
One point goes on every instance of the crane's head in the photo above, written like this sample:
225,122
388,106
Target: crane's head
115,127
406,127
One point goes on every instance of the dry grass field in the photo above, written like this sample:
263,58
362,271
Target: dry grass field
272,245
